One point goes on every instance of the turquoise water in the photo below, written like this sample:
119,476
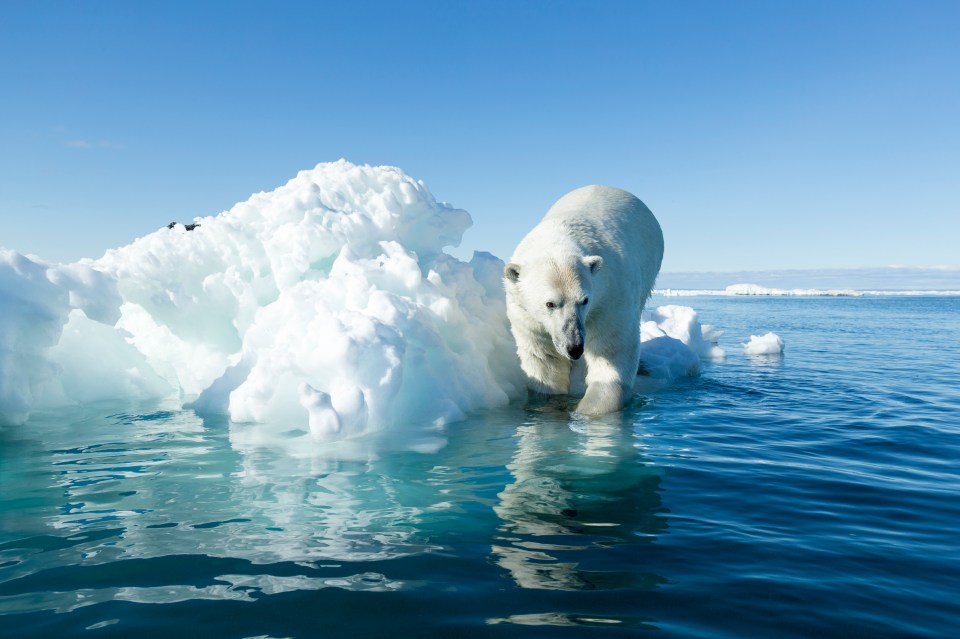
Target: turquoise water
813,494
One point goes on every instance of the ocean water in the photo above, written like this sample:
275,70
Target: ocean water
813,494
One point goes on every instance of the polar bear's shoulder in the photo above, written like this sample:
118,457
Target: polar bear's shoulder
595,199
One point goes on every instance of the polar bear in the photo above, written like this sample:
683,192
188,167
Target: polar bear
575,286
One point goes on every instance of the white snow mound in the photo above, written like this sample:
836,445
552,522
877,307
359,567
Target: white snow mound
769,344
328,302
673,342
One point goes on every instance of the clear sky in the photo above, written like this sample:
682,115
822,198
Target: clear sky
763,135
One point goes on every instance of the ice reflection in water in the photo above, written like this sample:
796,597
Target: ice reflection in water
181,486
317,508
163,507
575,491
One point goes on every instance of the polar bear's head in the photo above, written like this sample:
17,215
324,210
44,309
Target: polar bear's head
556,294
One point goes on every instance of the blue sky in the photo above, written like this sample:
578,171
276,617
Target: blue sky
764,135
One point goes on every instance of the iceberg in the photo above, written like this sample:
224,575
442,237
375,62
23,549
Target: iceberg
327,302
327,305
673,342
768,344
37,300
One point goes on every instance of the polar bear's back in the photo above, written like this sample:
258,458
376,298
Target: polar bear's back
609,221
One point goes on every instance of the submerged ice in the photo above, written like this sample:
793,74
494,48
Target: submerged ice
325,305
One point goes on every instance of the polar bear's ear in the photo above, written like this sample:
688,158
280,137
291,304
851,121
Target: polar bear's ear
512,272
593,262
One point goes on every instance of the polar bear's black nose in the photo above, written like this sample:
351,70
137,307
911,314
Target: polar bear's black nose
575,351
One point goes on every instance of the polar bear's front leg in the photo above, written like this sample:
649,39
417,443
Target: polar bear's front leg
610,378
606,392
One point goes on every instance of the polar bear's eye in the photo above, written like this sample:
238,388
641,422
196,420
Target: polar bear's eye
551,305
585,300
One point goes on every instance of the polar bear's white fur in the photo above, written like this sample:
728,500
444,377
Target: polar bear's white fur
576,285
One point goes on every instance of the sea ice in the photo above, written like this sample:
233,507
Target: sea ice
769,344
673,342
327,305
36,299
756,289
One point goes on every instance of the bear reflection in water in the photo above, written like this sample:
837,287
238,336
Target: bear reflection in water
582,499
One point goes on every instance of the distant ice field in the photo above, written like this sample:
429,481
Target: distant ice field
756,289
